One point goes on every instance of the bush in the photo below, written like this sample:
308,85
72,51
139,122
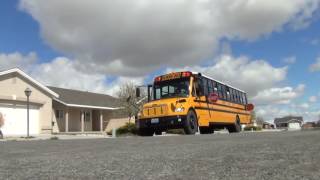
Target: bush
175,131
54,138
129,128
254,128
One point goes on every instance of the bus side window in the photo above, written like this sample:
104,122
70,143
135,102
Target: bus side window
215,87
210,86
228,93
220,94
205,86
236,100
245,98
224,92
238,97
232,95
241,100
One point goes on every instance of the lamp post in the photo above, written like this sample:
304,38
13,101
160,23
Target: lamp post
28,93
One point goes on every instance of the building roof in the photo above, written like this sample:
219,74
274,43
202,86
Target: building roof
287,119
76,98
29,78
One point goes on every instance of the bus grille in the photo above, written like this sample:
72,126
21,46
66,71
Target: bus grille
156,110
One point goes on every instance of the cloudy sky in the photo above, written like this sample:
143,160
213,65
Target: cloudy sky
268,48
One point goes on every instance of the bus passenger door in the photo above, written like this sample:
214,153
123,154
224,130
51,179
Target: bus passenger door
200,101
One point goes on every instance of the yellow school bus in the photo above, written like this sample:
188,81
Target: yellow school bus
194,102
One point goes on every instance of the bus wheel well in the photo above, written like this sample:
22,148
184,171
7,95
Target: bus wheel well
238,119
192,109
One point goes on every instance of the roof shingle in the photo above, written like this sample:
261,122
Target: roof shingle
77,97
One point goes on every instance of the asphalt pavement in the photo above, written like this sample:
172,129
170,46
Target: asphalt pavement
273,155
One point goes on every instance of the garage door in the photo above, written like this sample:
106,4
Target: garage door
294,126
16,120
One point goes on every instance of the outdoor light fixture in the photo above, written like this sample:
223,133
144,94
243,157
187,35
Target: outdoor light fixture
28,93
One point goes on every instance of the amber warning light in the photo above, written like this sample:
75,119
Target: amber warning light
171,76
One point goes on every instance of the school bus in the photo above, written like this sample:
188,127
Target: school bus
194,102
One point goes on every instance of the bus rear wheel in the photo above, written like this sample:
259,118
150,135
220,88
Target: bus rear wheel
236,127
191,123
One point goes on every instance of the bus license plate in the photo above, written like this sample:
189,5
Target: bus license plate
155,121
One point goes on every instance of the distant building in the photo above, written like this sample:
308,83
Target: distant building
267,125
289,122
309,125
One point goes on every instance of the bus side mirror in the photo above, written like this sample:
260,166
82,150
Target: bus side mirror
213,97
137,92
249,107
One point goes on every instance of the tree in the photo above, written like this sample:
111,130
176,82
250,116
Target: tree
253,117
260,120
128,100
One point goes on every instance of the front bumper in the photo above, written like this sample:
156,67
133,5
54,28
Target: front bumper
164,123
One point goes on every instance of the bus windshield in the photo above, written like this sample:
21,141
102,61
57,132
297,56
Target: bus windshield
172,88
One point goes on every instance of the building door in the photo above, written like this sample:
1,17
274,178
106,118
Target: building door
88,121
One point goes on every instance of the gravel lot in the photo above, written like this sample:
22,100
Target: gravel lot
280,155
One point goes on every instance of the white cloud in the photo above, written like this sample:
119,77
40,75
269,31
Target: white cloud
313,99
316,66
253,76
63,72
16,59
304,106
278,95
290,60
133,38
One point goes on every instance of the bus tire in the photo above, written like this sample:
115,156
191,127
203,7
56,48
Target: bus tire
191,123
146,132
206,130
236,127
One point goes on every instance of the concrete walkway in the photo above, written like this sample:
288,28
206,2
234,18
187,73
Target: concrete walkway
56,137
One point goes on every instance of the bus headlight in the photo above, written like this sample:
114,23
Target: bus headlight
179,109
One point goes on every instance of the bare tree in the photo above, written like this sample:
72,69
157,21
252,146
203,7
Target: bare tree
130,103
253,117
260,120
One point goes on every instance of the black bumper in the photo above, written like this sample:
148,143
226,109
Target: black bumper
171,122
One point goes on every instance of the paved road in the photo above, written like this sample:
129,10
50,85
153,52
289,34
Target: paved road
281,155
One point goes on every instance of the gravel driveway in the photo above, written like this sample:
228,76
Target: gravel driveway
280,155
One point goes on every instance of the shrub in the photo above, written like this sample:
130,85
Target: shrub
175,131
54,138
254,128
129,128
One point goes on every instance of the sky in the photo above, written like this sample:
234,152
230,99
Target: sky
270,49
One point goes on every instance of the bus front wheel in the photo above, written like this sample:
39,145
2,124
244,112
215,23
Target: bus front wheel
191,123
